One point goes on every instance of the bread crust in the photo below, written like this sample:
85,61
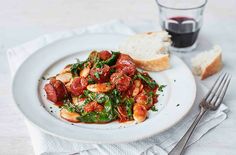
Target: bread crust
158,64
160,61
213,68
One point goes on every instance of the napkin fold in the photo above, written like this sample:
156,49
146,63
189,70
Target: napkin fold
45,144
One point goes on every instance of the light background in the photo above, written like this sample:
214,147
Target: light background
23,20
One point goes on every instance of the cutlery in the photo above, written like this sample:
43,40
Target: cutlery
211,102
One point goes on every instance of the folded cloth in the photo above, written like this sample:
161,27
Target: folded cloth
161,144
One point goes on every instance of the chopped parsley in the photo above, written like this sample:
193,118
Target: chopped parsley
160,88
151,93
150,82
128,106
153,108
112,70
96,74
69,106
77,67
91,81
100,64
86,92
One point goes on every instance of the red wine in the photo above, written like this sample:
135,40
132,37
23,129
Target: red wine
183,31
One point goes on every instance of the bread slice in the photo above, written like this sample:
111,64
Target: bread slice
207,63
150,50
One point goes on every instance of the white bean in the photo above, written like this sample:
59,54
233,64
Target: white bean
65,77
138,87
139,112
100,87
69,116
85,72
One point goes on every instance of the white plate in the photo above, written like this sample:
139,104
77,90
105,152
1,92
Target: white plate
174,103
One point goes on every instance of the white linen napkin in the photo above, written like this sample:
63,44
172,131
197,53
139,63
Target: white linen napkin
45,144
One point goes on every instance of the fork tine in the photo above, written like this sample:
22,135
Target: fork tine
215,86
222,92
215,94
222,84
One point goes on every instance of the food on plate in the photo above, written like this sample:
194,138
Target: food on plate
207,63
56,90
149,50
105,87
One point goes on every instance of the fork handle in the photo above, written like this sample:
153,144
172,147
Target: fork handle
178,149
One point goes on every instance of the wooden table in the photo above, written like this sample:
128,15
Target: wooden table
23,20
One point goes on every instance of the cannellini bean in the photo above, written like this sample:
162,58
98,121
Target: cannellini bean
69,116
100,87
75,100
139,112
137,83
66,70
65,77
138,87
68,85
135,91
85,72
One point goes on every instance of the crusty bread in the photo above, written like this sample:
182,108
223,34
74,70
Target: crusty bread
207,63
150,50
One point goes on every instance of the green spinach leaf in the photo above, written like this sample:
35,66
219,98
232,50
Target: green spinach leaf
129,107
112,60
150,82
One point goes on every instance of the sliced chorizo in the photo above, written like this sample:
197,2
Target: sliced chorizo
78,85
93,106
141,98
125,65
51,92
60,90
104,55
121,81
55,90
100,75
122,114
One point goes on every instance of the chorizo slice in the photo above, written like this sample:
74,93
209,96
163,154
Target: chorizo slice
121,81
93,106
104,55
100,74
122,114
78,85
60,89
55,90
51,92
126,65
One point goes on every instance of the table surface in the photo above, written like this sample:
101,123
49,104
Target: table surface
23,20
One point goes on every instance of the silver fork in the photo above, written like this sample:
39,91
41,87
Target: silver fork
212,101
